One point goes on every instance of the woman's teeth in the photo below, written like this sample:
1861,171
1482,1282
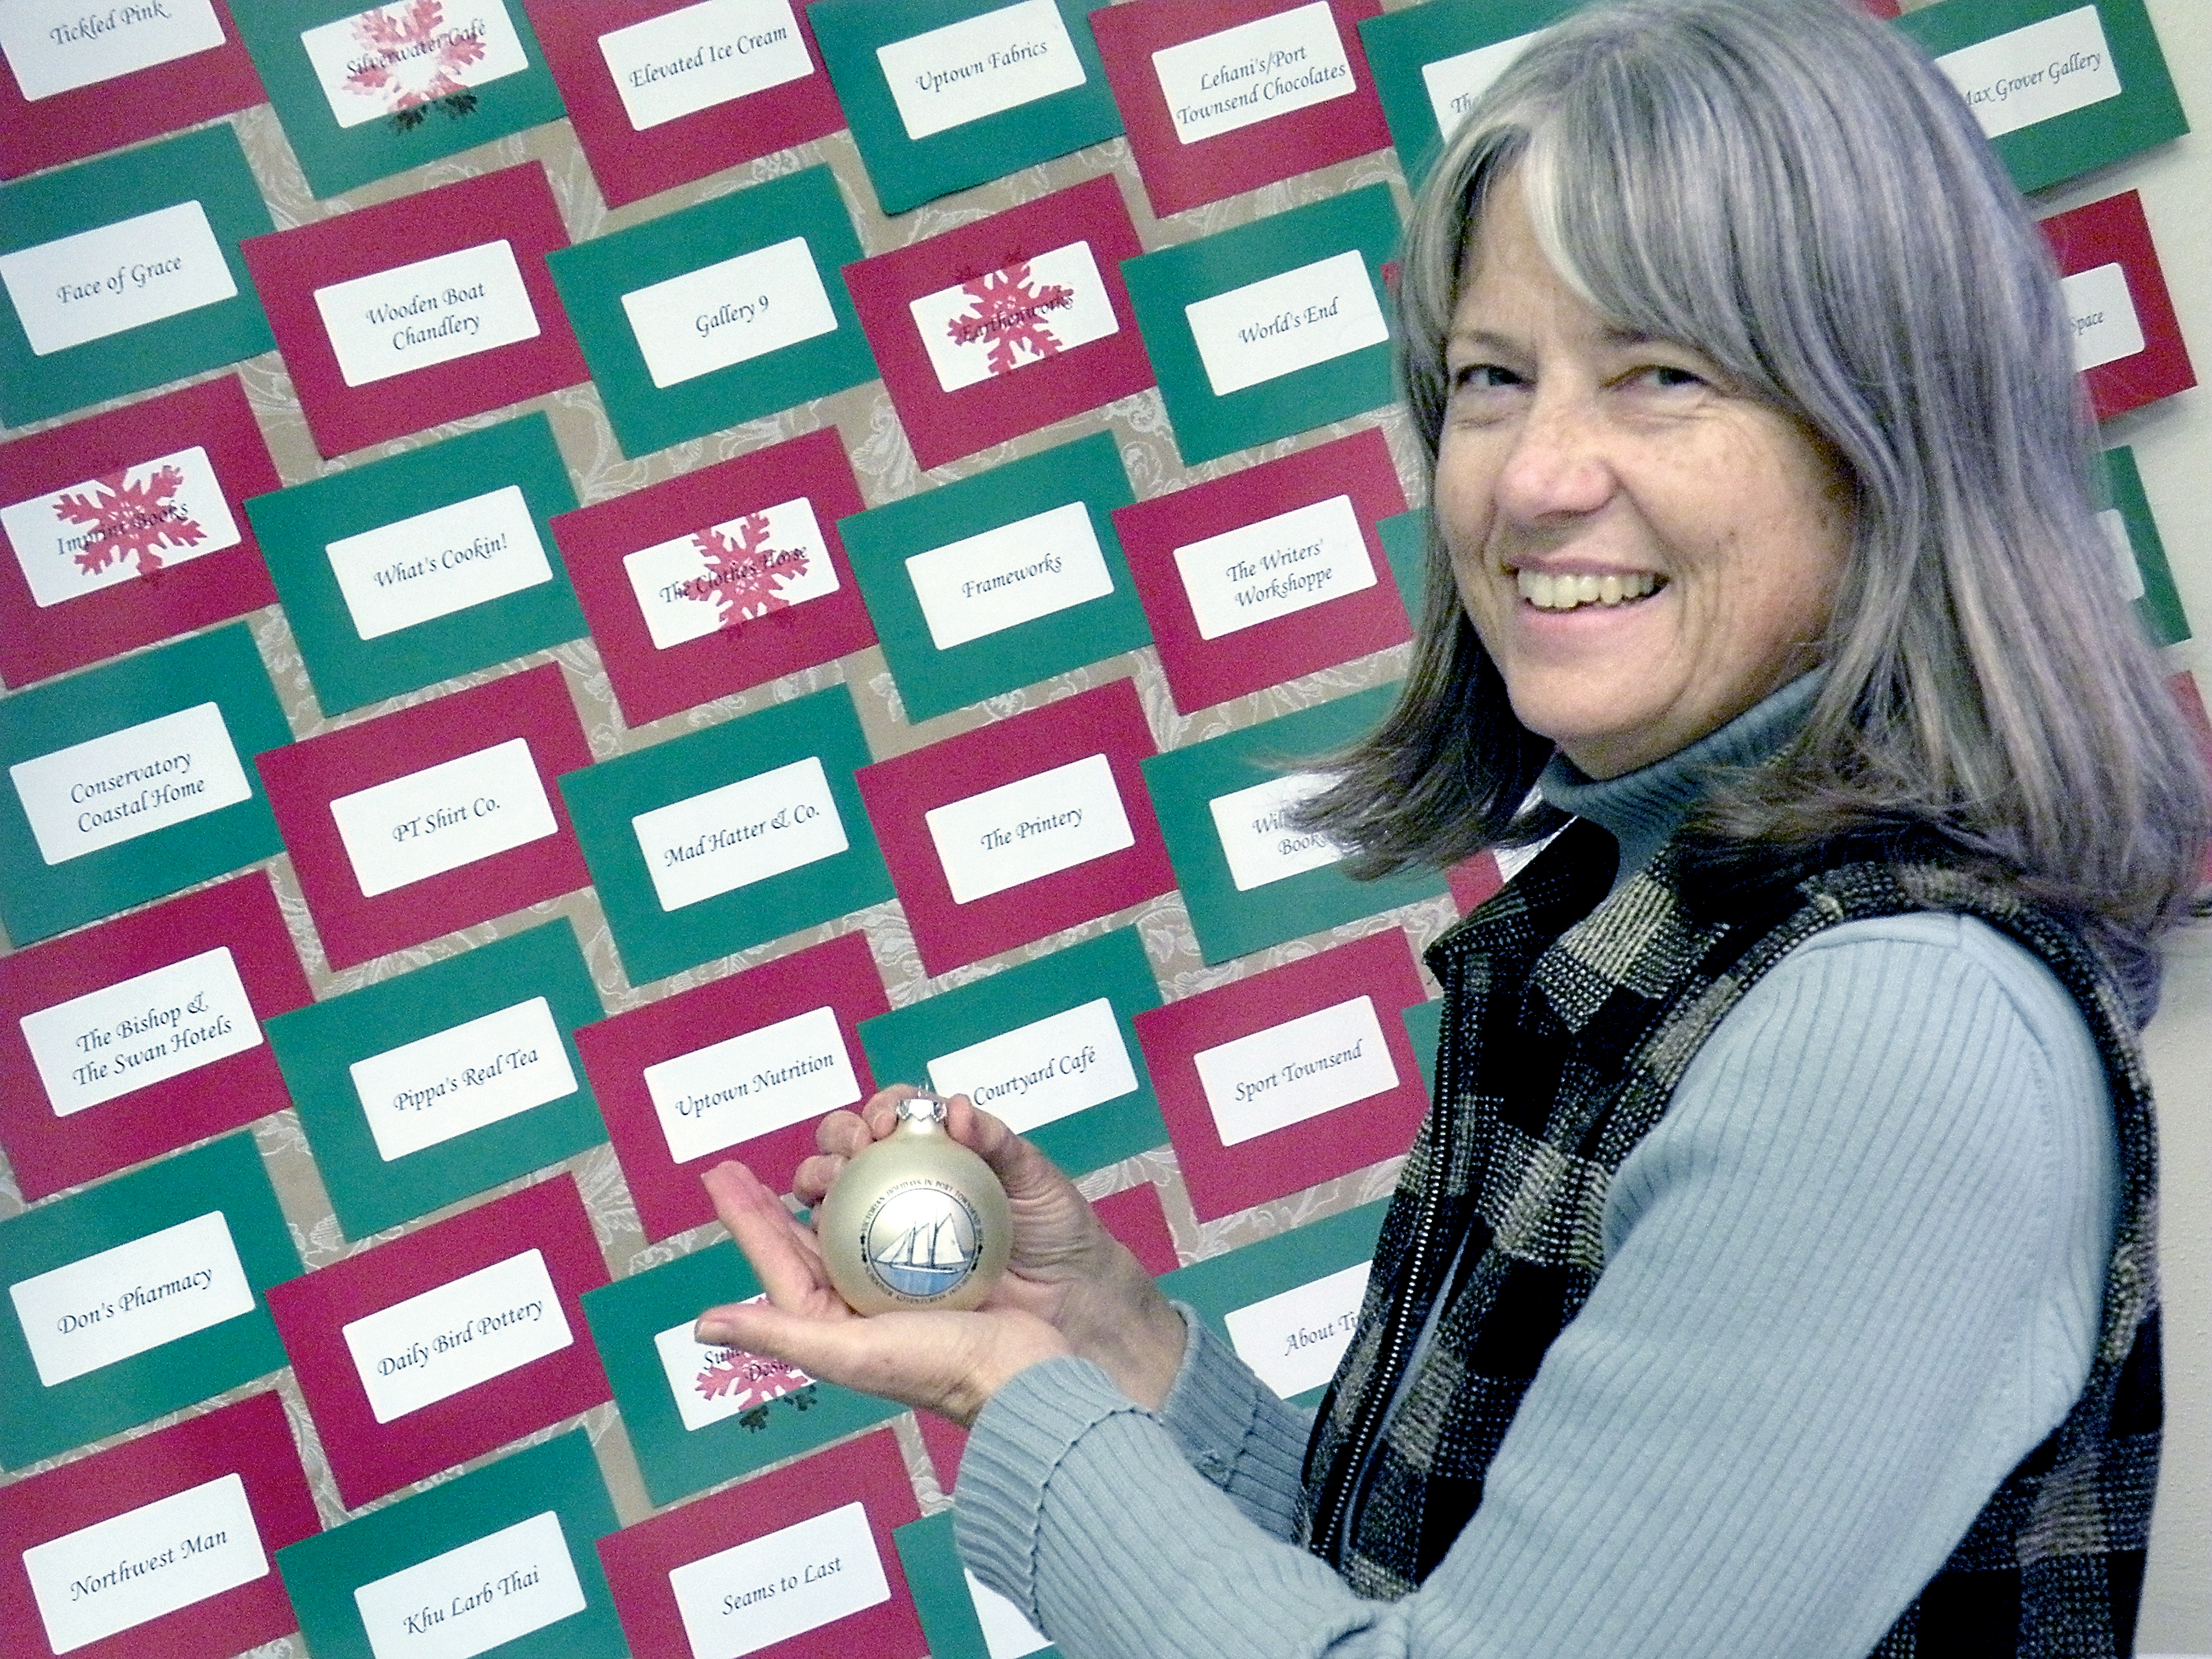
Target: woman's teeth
1566,591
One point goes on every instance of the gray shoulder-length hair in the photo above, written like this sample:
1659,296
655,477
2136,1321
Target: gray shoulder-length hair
1788,187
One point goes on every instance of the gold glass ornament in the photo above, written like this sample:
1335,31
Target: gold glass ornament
917,1220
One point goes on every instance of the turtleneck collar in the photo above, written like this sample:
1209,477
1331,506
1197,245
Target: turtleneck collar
1643,808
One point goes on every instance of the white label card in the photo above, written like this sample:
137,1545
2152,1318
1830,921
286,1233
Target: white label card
451,305
1267,67
1002,578
468,1601
729,311
731,573
1256,837
1276,567
1299,1069
980,66
1455,82
711,1385
443,817
741,833
1032,827
114,278
437,563
2029,74
1293,1341
427,1091
2105,326
130,523
119,1573
1040,1073
482,1325
1006,1633
114,788
381,61
2127,574
752,1085
131,1296
697,57
1286,322
1020,314
769,1589
141,1031
58,45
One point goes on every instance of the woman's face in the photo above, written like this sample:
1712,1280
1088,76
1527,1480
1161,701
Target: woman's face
1645,550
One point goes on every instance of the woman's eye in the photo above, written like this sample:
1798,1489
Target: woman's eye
1668,377
1483,377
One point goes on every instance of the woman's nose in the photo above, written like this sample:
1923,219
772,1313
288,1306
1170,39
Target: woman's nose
1558,466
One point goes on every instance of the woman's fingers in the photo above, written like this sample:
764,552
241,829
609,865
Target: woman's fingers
783,1253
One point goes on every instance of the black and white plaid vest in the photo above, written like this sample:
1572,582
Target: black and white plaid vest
1567,1024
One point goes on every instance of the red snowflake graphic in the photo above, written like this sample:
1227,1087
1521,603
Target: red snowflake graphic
1004,309
125,522
744,577
410,58
753,1380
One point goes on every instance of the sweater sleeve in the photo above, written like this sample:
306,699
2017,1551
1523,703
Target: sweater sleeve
1853,1278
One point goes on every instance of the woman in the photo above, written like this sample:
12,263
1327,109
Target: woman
1772,1273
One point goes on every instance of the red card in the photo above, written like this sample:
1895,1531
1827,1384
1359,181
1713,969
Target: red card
366,325
945,1440
649,1565
637,590
313,784
130,527
250,1441
1281,1114
1475,883
69,125
2113,309
684,138
937,810
136,1068
1218,133
838,980
1007,325
476,1273
1192,585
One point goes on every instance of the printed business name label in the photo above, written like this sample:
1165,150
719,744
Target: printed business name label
389,58
731,573
741,833
101,282
1019,314
57,45
1040,1073
2127,574
697,57
980,66
482,1325
437,563
713,1384
1275,567
427,1091
1006,1633
1009,575
152,516
751,1085
433,311
1257,836
2103,312
117,787
1284,323
1267,67
769,1589
489,1591
729,311
1032,827
1455,82
141,1031
132,1296
1293,1341
2029,74
443,817
117,1573
1288,1073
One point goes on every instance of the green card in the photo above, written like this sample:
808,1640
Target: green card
2059,85
720,313
962,1618
1001,578
1049,1046
1273,328
1424,1024
1431,61
138,1297
124,273
134,779
1287,1305
1249,882
699,1415
418,1091
1406,550
502,1559
722,839
945,94
367,92
408,571
2145,576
